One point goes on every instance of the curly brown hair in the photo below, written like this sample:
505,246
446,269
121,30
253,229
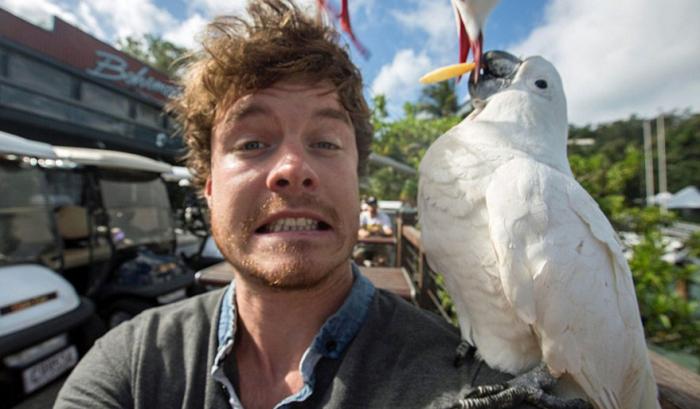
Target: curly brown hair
241,56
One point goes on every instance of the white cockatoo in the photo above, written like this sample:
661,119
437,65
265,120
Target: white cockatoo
536,273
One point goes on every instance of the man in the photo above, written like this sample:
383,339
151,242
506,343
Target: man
373,222
277,130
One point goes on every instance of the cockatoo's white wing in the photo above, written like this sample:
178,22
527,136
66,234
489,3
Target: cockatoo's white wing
450,166
453,177
563,271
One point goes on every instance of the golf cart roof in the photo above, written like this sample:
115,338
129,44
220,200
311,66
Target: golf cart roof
177,173
111,159
13,144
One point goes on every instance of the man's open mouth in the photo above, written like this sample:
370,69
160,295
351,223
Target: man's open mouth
293,224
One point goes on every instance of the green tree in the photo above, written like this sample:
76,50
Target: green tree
439,100
154,51
670,320
683,151
406,141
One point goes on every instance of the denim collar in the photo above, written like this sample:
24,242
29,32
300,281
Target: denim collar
331,341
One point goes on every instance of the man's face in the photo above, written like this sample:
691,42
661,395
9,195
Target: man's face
283,190
372,209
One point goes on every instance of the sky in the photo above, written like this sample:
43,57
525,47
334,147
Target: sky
616,58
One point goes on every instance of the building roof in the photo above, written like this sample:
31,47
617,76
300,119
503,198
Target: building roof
686,198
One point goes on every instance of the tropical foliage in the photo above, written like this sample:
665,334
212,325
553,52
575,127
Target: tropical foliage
153,50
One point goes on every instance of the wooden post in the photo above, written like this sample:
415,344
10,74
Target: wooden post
399,243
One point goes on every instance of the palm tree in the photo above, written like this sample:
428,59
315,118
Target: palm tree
439,100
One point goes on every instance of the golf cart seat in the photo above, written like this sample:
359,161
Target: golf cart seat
72,224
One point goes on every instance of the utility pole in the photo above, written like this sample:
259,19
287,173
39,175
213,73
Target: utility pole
661,154
648,163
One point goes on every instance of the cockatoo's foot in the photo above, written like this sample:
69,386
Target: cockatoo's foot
464,351
527,388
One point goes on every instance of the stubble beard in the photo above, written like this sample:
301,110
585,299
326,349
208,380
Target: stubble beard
282,266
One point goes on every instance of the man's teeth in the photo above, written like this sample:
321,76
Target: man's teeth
292,224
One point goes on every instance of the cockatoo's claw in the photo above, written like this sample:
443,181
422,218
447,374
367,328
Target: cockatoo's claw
464,351
487,390
527,388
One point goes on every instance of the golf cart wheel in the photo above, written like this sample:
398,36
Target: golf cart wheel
124,310
90,331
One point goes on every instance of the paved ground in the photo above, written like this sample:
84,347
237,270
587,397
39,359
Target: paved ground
44,398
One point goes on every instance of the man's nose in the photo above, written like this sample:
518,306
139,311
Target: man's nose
292,173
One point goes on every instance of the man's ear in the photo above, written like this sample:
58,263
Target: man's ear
207,191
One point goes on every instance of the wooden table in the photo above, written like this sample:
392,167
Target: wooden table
392,279
388,240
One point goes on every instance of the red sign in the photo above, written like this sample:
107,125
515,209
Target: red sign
73,47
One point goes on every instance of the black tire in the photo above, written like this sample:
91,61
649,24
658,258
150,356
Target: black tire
89,332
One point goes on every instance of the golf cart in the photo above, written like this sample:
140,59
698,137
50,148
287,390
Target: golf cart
115,218
190,224
194,241
44,325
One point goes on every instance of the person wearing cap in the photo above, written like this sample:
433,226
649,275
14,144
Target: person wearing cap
278,131
374,222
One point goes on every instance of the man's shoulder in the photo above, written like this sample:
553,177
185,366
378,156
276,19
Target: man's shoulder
424,339
409,352
127,364
188,316
419,326
190,311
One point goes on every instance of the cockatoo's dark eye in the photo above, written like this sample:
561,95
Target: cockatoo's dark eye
542,84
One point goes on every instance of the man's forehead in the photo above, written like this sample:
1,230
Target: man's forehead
324,96
324,92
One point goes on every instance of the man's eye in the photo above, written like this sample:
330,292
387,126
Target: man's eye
326,145
251,146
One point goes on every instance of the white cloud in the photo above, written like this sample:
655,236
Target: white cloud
39,12
89,22
185,34
433,17
130,17
621,57
398,80
107,20
213,8
435,21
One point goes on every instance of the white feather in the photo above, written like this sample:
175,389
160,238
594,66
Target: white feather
473,14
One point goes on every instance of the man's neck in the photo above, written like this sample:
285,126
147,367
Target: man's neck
275,327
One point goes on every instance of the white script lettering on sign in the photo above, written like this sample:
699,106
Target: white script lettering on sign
112,67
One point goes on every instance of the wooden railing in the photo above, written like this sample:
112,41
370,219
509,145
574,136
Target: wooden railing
426,282
679,388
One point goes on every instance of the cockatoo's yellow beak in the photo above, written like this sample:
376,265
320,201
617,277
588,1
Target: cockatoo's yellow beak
445,73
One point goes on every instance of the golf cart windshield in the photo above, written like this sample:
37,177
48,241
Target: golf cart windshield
138,208
26,232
